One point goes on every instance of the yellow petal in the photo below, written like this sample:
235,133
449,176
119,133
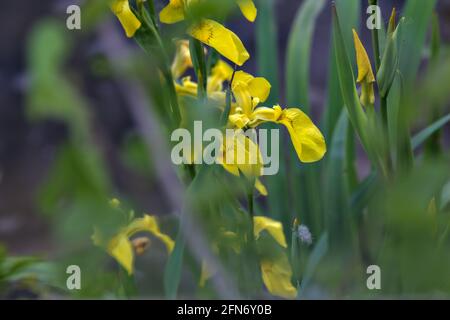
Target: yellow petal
307,139
222,70
182,60
150,224
261,188
248,9
226,42
187,87
277,276
241,154
205,274
130,23
265,114
220,73
257,87
173,12
260,88
239,120
273,227
365,72
121,249
241,92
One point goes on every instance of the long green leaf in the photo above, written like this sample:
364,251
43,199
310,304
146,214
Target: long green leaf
347,82
418,14
299,53
172,273
350,15
319,251
426,133
304,182
336,204
267,46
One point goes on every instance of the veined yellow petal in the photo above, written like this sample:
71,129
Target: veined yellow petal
225,41
307,139
173,12
277,276
248,9
150,224
273,227
120,248
130,23
365,72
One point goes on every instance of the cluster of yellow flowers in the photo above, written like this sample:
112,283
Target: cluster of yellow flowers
248,92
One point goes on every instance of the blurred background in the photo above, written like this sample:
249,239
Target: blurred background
29,146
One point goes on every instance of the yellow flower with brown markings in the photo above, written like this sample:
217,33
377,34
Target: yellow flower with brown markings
210,32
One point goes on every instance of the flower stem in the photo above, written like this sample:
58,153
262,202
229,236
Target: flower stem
375,41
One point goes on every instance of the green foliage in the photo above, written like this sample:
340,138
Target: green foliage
386,203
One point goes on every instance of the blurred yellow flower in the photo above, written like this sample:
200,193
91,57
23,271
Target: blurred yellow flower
130,23
120,247
276,271
210,32
182,60
365,74
241,155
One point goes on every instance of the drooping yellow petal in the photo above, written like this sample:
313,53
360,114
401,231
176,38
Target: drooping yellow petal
365,74
273,227
130,23
248,9
277,276
182,60
121,249
226,42
150,224
307,139
173,12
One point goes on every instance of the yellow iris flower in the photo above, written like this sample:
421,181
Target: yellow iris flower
129,21
250,166
210,32
249,92
366,77
120,247
276,271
